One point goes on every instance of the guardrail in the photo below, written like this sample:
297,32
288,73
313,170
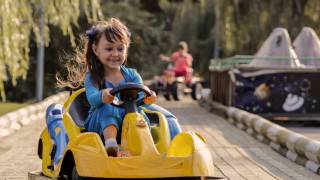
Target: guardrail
296,147
13,121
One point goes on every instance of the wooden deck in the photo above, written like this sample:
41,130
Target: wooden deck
236,155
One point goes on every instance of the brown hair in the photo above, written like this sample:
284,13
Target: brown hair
85,59
183,45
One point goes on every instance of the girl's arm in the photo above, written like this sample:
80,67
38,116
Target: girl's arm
94,95
164,58
189,61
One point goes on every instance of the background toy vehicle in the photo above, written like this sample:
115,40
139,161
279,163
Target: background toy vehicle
154,154
176,87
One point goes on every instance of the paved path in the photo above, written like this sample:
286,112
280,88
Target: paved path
236,155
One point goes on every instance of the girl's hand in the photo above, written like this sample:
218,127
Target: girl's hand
106,96
150,99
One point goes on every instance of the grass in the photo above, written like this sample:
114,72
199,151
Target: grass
8,107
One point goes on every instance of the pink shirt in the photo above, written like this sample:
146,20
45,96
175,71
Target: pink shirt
181,61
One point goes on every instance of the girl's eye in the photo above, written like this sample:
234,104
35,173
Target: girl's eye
120,49
108,49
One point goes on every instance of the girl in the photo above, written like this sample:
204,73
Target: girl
101,67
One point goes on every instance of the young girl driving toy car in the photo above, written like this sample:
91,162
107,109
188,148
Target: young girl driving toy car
100,66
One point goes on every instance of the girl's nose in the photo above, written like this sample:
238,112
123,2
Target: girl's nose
115,53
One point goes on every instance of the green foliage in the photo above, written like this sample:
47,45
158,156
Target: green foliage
192,22
15,18
233,26
146,23
20,18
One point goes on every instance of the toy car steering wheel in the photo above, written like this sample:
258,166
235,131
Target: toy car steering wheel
129,93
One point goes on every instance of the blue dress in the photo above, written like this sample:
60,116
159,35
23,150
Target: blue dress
102,115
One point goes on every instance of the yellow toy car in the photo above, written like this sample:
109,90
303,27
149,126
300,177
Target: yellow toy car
68,151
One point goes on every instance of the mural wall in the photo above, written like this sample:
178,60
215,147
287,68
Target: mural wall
289,92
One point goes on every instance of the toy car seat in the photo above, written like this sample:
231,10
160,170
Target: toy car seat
79,109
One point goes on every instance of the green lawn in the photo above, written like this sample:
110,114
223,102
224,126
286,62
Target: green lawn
8,107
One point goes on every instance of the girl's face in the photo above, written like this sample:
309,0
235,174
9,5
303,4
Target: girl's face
111,54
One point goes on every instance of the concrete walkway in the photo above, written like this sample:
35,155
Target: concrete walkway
236,155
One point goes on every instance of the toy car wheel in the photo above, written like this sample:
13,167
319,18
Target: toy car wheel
75,175
177,91
166,96
155,87
196,91
167,91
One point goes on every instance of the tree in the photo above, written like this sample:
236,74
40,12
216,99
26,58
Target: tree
20,18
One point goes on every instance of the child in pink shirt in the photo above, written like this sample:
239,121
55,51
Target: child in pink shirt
182,62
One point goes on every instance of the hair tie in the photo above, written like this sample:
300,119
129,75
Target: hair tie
91,33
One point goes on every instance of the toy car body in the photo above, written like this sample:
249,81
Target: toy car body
153,153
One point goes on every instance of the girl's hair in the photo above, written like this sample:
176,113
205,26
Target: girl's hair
183,45
85,60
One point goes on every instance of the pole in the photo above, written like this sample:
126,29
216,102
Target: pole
216,32
40,55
